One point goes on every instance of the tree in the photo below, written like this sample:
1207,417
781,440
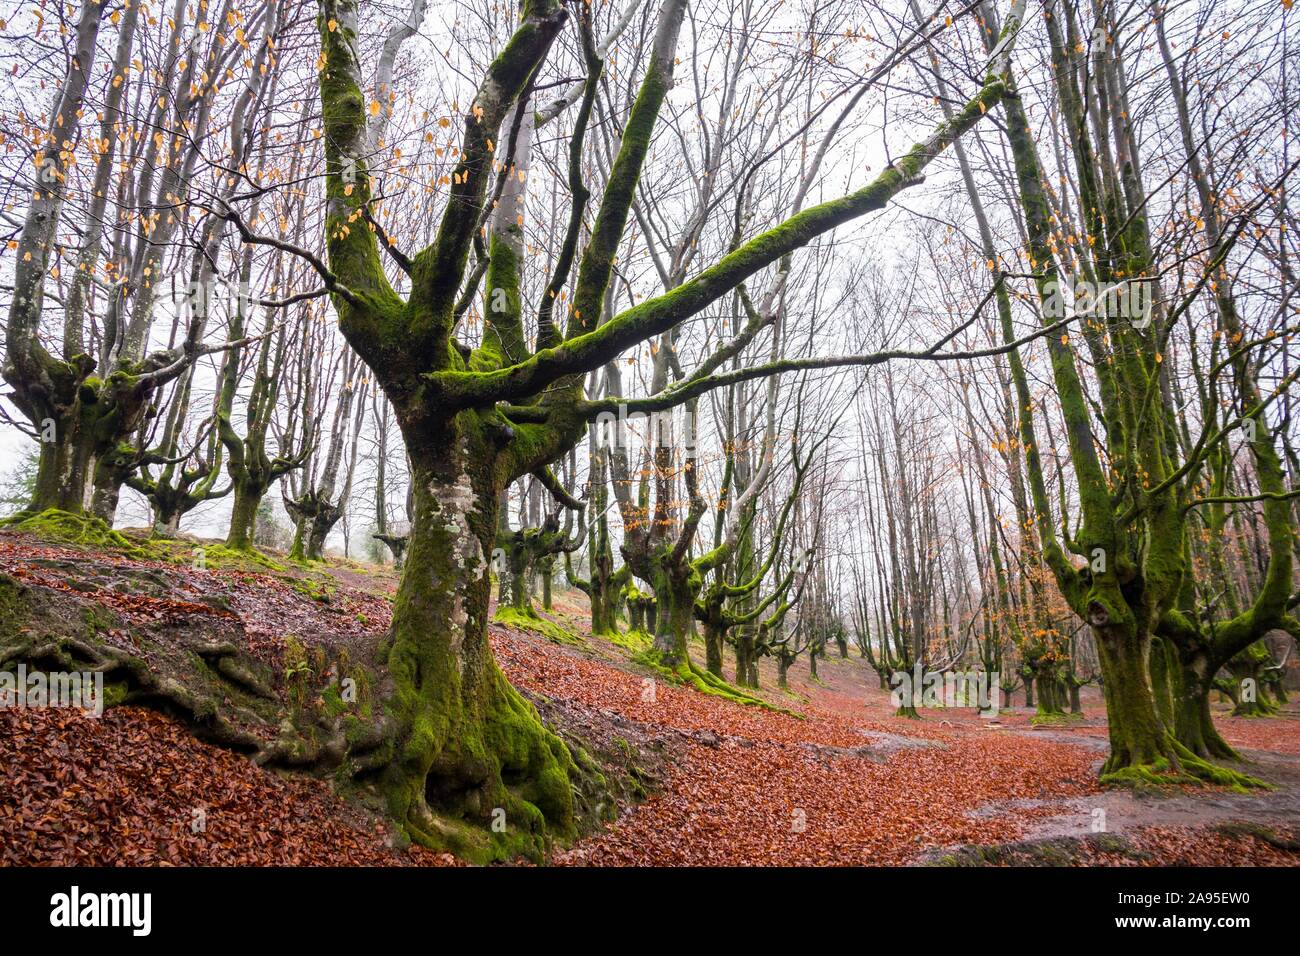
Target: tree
318,502
98,390
1135,483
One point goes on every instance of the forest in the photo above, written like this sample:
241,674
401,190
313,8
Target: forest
649,433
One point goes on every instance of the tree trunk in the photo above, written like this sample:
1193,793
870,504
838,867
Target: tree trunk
604,608
676,612
64,468
318,530
599,621
745,659
713,649
518,571
1193,724
1141,743
166,516
298,550
466,741
1138,737
1163,666
547,570
1051,702
243,515
111,472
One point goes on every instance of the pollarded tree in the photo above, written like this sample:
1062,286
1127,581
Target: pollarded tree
95,392
253,467
1136,482
529,551
318,501
460,738
186,477
393,535
734,570
604,584
770,637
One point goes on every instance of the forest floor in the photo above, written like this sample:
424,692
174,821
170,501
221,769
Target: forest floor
831,777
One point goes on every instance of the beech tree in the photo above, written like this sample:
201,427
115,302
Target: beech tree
88,398
318,501
1137,482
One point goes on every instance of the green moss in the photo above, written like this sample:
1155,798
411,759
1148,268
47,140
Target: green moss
1057,851
97,619
221,556
690,674
1260,832
332,699
1055,719
115,693
535,623
634,639
64,527
215,556
316,590
1191,771
530,807
13,609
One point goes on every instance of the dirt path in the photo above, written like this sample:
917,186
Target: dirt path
853,785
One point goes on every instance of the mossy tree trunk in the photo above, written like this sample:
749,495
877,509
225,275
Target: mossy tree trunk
1135,544
1191,684
713,644
243,514
466,742
675,590
546,569
783,662
65,463
744,647
178,486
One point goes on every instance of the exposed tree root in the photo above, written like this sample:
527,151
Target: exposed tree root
1185,768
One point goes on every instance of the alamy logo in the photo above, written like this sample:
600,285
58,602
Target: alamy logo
37,690
671,428
971,688
75,909
1129,299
